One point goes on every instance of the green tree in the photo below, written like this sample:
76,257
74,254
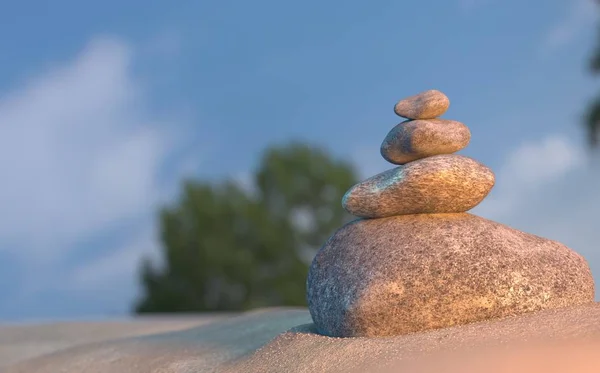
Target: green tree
226,248
592,119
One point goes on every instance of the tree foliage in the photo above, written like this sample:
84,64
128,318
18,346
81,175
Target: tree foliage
227,248
592,118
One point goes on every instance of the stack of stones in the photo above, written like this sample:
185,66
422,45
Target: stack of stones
415,260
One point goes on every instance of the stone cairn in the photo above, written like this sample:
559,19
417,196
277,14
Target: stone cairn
415,260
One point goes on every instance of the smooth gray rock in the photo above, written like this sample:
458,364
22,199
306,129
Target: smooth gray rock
425,105
411,273
416,139
438,184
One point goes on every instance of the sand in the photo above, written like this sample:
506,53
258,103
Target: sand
20,342
283,340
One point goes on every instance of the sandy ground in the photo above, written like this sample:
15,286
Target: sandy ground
578,356
283,340
22,342
457,349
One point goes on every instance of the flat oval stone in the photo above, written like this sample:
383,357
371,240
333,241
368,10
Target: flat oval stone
416,139
439,184
426,105
412,273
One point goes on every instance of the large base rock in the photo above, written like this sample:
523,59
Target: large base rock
403,274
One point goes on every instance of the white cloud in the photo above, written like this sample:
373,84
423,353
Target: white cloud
74,154
580,15
80,154
534,164
529,169
111,269
117,272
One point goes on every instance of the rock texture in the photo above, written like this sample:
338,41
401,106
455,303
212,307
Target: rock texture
405,274
416,139
418,262
425,105
438,184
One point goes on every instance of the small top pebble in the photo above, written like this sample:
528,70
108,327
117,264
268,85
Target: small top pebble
426,105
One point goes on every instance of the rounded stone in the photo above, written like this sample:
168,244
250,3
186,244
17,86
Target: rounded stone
425,105
412,273
444,183
416,139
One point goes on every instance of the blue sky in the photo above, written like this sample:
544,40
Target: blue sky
105,106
